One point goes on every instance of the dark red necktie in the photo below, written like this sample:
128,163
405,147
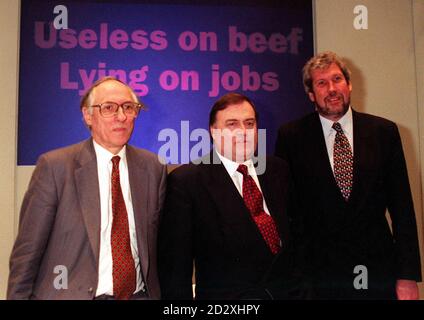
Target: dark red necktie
253,199
343,162
124,277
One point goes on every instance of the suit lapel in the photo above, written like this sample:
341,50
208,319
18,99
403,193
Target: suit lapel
361,143
231,208
87,185
139,180
318,157
224,193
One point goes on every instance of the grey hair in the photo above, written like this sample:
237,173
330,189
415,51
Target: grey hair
322,61
87,99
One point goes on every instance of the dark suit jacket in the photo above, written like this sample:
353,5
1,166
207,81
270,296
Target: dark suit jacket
206,220
342,235
60,223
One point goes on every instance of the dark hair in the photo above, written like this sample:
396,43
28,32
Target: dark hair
227,100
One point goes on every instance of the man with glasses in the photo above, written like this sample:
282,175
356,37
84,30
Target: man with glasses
88,221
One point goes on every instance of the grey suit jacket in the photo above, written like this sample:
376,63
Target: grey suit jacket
59,224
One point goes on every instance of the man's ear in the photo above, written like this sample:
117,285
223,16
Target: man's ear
87,116
211,132
311,96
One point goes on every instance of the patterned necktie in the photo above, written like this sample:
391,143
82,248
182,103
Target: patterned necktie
252,197
343,162
123,272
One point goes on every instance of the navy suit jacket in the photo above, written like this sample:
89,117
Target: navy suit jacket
206,221
341,235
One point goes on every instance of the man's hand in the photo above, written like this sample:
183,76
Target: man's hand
407,290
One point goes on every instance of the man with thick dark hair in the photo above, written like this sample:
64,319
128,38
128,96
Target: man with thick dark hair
231,221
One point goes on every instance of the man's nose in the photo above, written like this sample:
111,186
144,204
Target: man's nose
244,130
239,132
331,87
120,114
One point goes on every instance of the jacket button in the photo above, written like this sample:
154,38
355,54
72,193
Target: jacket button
90,290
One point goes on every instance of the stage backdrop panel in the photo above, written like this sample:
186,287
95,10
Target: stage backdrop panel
179,58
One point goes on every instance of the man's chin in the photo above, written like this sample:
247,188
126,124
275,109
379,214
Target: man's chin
242,156
333,110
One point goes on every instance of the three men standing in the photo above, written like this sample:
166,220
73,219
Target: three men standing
249,230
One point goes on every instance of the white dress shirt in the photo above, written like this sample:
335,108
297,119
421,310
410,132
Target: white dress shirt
346,123
237,177
104,169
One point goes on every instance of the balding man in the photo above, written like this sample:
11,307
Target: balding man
88,221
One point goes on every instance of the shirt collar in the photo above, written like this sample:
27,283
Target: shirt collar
232,166
346,123
104,156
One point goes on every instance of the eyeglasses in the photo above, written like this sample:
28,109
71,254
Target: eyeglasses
109,109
